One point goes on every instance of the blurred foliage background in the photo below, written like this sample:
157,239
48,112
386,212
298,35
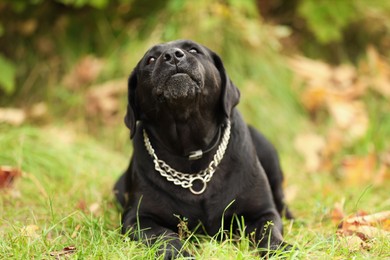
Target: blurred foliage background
67,60
314,77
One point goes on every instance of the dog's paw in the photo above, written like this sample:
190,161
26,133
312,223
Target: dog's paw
276,249
173,250
174,254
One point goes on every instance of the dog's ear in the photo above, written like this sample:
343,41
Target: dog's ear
230,95
132,113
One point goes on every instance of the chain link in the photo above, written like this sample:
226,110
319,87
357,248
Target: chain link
186,180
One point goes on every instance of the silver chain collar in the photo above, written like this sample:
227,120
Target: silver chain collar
186,180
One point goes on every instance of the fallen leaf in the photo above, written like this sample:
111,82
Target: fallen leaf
373,219
7,176
353,243
338,214
12,116
66,251
336,89
358,232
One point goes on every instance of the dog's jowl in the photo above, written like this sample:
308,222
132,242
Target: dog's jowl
194,157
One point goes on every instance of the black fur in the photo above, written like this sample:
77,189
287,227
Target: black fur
181,95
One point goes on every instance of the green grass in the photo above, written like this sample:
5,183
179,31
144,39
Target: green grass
65,172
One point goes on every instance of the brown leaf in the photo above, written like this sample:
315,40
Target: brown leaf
7,176
353,242
373,219
355,231
338,214
329,80
66,251
12,116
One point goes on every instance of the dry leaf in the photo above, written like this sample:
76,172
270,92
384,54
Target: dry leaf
66,251
12,116
7,176
356,231
373,219
354,243
310,146
337,89
338,214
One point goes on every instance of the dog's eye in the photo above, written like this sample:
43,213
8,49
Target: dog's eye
151,60
193,51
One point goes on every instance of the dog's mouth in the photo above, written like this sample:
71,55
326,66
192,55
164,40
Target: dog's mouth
179,86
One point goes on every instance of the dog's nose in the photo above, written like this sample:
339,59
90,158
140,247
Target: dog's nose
173,55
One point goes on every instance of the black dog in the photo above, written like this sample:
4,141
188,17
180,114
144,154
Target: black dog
193,154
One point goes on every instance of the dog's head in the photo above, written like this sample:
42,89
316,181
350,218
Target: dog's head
178,77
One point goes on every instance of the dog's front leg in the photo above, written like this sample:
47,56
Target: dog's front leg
146,229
